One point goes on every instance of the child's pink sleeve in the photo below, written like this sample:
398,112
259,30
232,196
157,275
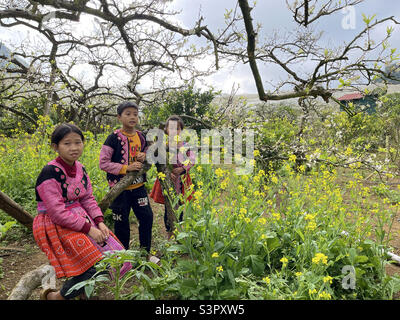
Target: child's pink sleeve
105,162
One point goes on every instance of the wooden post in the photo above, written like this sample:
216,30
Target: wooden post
13,209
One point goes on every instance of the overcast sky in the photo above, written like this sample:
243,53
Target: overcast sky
274,16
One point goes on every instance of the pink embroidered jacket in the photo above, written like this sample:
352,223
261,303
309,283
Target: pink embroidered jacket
114,155
56,191
179,161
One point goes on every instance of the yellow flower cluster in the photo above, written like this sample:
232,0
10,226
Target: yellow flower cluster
292,158
310,292
224,184
284,261
324,295
276,215
161,176
219,172
267,280
320,258
311,226
262,221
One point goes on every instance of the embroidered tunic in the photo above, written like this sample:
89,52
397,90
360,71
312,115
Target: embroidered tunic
66,211
114,156
181,183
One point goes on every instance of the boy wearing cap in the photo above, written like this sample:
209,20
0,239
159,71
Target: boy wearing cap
124,151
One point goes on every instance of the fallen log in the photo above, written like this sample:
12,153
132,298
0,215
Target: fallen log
121,185
13,209
42,276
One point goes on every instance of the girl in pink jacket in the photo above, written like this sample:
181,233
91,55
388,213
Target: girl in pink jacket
69,227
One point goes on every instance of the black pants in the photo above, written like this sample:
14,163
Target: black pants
138,201
73,281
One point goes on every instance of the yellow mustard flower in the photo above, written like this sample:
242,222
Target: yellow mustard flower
310,292
325,295
320,257
267,280
219,172
274,180
224,184
262,220
284,261
161,176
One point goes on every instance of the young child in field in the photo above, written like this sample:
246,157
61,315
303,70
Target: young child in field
122,152
69,225
180,172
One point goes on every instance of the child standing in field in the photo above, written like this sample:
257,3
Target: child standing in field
69,225
122,152
181,166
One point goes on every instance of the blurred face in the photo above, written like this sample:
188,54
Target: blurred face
129,118
173,128
70,148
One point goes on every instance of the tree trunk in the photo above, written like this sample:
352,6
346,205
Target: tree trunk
167,185
13,209
42,276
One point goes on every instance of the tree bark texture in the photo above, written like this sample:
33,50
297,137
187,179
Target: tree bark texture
115,191
42,276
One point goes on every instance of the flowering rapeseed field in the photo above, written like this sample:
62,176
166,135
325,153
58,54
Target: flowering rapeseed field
277,233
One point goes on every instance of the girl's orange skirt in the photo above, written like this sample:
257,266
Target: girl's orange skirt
70,252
